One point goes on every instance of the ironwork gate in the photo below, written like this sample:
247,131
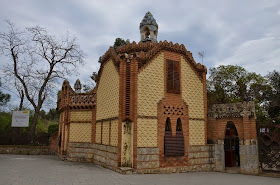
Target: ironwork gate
269,147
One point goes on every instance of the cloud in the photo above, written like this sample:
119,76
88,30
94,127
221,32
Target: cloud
234,32
259,56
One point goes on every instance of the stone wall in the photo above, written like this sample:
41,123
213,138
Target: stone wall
106,156
96,153
200,158
25,150
80,152
249,158
219,155
147,158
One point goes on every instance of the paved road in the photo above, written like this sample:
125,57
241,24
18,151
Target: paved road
37,170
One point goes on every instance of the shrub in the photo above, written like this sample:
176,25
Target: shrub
52,129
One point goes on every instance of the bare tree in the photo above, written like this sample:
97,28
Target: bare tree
38,60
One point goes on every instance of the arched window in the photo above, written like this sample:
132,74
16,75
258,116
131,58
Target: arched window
168,139
179,125
173,145
180,148
168,125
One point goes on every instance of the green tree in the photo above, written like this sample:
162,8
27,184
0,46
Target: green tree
274,97
4,98
119,42
52,114
229,84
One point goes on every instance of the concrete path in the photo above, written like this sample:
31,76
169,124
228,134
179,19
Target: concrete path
37,170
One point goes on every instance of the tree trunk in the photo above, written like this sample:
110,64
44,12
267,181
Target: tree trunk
33,126
21,100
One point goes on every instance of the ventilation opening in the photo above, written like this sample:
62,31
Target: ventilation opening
127,89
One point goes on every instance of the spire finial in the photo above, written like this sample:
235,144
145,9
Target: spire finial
77,86
148,28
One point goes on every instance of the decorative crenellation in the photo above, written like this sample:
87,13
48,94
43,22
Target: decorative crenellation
145,51
67,98
84,100
245,109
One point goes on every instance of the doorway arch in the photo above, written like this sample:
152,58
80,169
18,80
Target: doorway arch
231,146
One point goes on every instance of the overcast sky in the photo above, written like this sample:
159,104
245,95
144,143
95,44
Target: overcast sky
236,32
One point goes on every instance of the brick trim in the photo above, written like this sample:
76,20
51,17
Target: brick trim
107,119
147,117
197,119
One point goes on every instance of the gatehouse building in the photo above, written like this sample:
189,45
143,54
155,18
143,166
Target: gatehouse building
148,114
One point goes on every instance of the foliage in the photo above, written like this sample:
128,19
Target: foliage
4,98
274,96
119,42
94,76
15,135
230,84
5,122
52,129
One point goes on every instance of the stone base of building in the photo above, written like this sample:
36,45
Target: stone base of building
249,158
179,169
200,158
87,152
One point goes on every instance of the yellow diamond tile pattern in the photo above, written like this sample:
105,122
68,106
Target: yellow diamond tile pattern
151,86
80,132
197,132
98,132
105,132
114,132
81,116
147,132
192,91
108,93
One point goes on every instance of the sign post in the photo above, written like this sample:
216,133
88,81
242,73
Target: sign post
20,118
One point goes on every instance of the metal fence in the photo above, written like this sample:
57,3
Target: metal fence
269,147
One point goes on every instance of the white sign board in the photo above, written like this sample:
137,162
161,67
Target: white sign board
20,118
